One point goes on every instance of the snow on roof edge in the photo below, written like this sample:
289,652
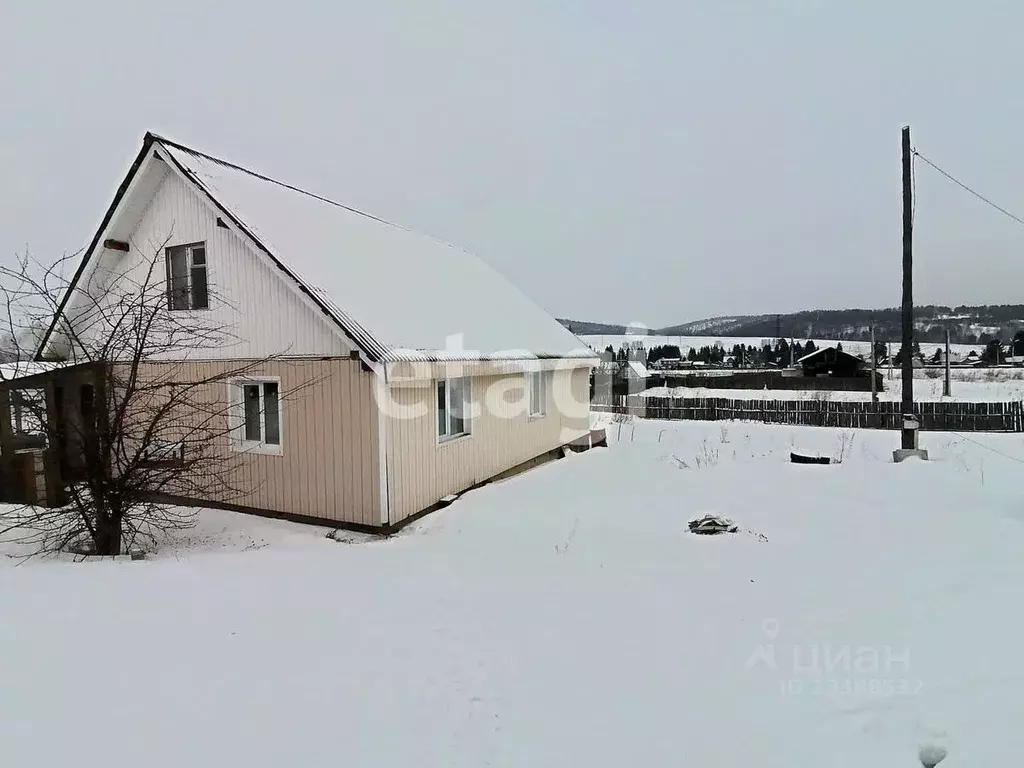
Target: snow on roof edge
363,336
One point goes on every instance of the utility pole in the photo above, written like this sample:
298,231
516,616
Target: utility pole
947,389
908,439
874,367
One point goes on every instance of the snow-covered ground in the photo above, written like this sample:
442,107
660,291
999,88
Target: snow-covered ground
563,617
998,385
728,342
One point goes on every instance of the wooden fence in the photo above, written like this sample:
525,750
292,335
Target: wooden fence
944,416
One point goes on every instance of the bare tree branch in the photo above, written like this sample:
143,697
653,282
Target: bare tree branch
131,418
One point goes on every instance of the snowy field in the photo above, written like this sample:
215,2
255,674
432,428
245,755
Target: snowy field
728,342
565,617
975,385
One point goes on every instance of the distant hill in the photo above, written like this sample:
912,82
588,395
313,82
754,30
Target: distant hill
583,328
718,326
967,324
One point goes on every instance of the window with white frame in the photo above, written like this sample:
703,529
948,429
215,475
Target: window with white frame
536,385
187,284
452,408
257,414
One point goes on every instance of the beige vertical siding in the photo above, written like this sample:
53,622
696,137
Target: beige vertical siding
328,468
421,471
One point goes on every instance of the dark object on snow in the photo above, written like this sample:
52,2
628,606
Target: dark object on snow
798,458
712,524
931,755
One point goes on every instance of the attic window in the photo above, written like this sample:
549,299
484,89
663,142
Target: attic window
187,284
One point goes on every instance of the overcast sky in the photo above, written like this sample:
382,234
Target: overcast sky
646,161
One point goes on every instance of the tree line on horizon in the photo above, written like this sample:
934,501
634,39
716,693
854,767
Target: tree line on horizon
978,324
782,353
741,356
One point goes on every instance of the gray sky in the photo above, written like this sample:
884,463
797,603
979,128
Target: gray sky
649,161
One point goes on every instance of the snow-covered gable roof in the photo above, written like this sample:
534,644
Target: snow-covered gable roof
812,355
826,352
397,293
639,369
23,368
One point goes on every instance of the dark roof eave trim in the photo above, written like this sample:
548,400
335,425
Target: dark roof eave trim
242,228
35,380
428,358
147,142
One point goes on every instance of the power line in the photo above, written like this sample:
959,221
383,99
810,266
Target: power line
989,448
963,186
913,188
261,177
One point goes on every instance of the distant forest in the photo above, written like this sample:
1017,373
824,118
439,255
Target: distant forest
966,324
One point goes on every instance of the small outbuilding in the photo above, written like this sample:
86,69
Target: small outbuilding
834,363
831,361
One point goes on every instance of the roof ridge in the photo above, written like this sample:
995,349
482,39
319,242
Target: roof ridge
321,198
293,188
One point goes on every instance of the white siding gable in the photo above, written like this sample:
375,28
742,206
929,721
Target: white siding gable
250,297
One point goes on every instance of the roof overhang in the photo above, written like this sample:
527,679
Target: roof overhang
36,374
398,372
119,196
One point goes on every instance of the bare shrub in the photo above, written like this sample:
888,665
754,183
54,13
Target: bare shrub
708,455
624,419
846,439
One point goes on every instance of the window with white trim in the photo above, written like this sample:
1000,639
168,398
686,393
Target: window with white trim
187,284
452,408
536,385
257,414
